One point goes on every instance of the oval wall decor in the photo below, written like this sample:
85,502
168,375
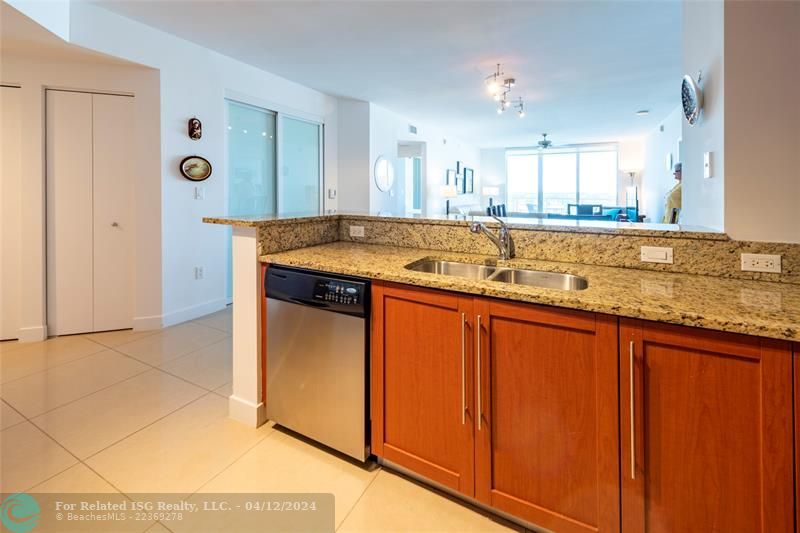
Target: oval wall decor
692,98
195,168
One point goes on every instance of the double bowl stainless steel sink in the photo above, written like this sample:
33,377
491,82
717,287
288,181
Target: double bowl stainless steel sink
516,276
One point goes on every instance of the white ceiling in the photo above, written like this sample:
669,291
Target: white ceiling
584,68
22,36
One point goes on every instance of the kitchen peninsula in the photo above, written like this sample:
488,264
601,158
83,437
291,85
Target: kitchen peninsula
696,342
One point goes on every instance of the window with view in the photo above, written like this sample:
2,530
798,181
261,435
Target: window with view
547,181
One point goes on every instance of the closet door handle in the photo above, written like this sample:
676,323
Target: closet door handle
115,224
632,411
479,372
463,369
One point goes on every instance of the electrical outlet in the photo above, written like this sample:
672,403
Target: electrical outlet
655,254
356,231
761,263
198,272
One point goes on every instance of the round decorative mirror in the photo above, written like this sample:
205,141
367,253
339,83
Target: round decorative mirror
383,174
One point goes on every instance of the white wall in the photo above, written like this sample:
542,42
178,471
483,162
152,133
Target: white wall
194,82
493,170
354,156
34,74
657,178
703,35
384,130
762,121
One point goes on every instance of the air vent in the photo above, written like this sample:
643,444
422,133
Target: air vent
412,129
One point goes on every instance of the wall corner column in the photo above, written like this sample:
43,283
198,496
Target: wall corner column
245,404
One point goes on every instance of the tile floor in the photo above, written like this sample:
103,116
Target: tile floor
147,411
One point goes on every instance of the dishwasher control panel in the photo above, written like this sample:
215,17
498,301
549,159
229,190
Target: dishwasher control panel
340,292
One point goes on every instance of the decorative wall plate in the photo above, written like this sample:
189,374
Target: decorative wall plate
195,168
692,98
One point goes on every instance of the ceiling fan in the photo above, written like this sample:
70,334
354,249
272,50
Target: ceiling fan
545,142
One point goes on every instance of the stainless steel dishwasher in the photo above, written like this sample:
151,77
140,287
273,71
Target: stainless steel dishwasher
317,346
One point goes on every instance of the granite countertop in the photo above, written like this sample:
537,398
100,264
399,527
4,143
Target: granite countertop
752,307
541,224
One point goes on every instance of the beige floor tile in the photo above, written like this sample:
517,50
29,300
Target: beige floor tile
8,416
284,463
7,346
179,453
44,391
157,528
226,390
80,479
222,320
76,479
37,356
209,367
171,343
122,336
96,421
28,457
393,503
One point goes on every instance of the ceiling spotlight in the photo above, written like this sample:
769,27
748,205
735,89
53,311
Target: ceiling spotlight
491,81
521,113
506,104
500,109
497,97
643,112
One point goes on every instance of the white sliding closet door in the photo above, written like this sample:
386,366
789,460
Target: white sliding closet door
89,219
10,214
113,122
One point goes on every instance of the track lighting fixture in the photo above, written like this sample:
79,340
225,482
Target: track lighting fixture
499,88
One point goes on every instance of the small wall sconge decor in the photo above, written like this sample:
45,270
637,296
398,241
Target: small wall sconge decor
692,98
195,128
195,168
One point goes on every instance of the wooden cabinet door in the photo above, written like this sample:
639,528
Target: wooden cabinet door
547,447
421,383
709,445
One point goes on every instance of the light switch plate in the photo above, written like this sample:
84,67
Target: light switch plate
655,254
708,165
356,231
331,194
199,193
761,263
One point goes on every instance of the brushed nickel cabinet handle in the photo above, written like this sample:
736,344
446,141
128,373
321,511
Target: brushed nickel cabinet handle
479,372
633,414
463,370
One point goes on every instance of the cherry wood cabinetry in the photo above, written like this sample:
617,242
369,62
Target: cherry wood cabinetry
706,425
421,368
579,422
547,448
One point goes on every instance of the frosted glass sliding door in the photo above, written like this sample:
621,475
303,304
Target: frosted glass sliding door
251,160
251,146
301,167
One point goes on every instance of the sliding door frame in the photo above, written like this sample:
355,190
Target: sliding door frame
281,112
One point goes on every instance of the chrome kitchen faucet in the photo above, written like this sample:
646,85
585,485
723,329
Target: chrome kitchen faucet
503,240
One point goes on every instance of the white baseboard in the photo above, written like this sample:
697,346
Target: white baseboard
33,334
253,415
144,323
192,312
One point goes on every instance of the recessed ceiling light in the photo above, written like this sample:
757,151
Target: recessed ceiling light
643,112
